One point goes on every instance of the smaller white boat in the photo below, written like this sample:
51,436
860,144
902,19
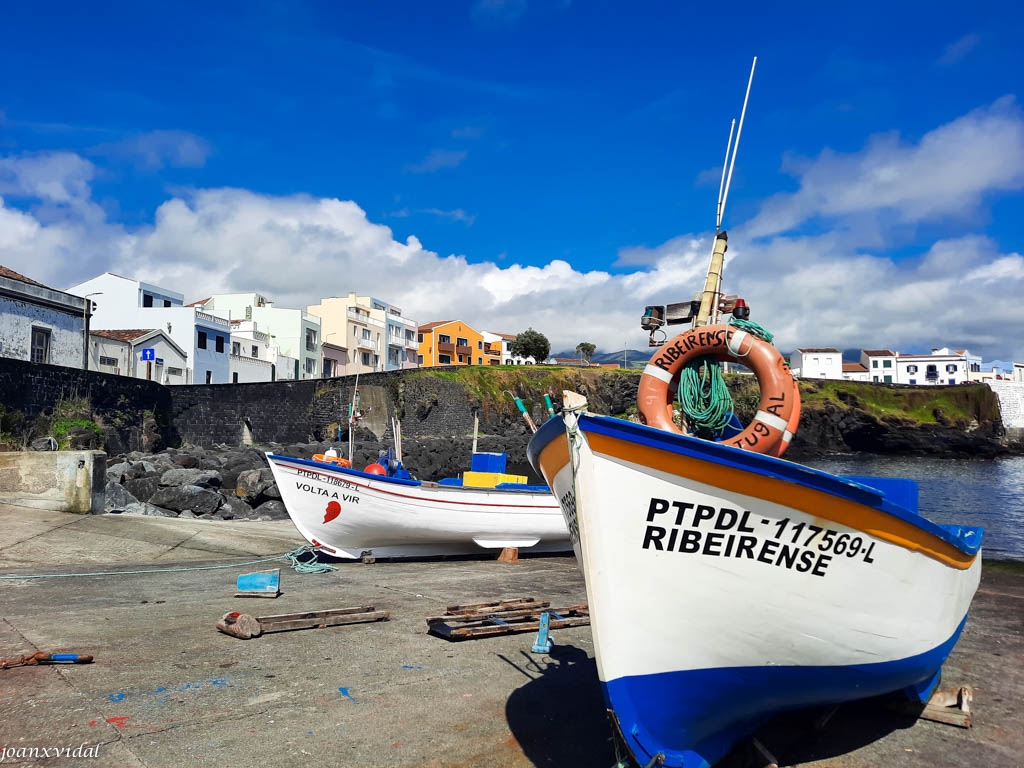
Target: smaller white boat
385,513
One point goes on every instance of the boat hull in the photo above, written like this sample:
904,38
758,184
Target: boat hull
353,514
725,587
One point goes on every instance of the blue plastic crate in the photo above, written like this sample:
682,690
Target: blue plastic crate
488,462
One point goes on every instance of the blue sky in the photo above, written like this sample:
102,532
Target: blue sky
525,144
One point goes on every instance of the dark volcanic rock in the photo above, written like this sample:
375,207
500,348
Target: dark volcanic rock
234,508
204,478
117,498
185,460
201,501
253,483
271,510
143,488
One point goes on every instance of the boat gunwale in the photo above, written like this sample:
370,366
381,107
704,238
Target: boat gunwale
762,465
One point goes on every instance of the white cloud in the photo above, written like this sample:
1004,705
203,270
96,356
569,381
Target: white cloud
839,288
957,50
438,159
944,175
498,11
158,149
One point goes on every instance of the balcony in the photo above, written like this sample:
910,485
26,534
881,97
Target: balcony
367,344
460,350
363,319
445,349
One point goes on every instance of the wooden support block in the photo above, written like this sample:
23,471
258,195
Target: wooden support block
951,706
509,555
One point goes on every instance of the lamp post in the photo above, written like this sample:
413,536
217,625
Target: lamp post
85,327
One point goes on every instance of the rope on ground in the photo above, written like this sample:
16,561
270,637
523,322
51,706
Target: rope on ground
309,566
293,557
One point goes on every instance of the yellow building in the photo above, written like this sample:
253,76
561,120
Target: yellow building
453,342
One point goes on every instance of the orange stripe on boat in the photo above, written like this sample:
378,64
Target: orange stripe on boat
553,457
808,500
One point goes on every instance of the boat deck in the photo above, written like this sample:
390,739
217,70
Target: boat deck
167,689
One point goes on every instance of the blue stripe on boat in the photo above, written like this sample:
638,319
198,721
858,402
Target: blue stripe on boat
341,470
706,710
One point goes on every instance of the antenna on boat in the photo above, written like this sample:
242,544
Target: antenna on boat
708,311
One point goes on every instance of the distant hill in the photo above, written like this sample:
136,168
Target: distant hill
637,358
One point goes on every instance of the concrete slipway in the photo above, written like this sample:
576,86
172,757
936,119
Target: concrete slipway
166,689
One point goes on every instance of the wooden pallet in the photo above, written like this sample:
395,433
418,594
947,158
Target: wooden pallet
244,626
503,617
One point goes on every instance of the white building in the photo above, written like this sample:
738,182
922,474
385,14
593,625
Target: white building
369,334
140,353
856,372
940,367
40,324
817,363
881,364
502,342
295,333
122,303
253,356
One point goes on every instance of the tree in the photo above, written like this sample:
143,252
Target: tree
531,343
586,349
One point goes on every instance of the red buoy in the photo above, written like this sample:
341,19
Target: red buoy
375,469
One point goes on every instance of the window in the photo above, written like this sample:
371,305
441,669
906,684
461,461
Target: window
167,302
40,345
255,351
310,339
147,300
951,368
874,364
174,371
931,372
366,358
110,362
461,342
419,359
887,363
444,359
209,377
236,348
887,379
913,381
202,342
911,369
479,361
874,378
366,334
234,377
310,365
444,338
419,338
479,345
220,343
952,381
462,358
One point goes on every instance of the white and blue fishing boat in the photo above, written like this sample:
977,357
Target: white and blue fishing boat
726,584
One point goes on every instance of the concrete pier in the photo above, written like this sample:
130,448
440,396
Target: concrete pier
166,689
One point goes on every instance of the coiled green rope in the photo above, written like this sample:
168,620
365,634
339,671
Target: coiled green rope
703,395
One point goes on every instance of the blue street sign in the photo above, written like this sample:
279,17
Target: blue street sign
149,353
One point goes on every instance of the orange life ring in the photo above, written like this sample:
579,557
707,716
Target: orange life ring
794,421
779,394
340,461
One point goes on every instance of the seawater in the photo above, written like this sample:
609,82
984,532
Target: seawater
987,493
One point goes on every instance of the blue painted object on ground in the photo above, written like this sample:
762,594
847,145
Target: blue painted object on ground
263,582
543,642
